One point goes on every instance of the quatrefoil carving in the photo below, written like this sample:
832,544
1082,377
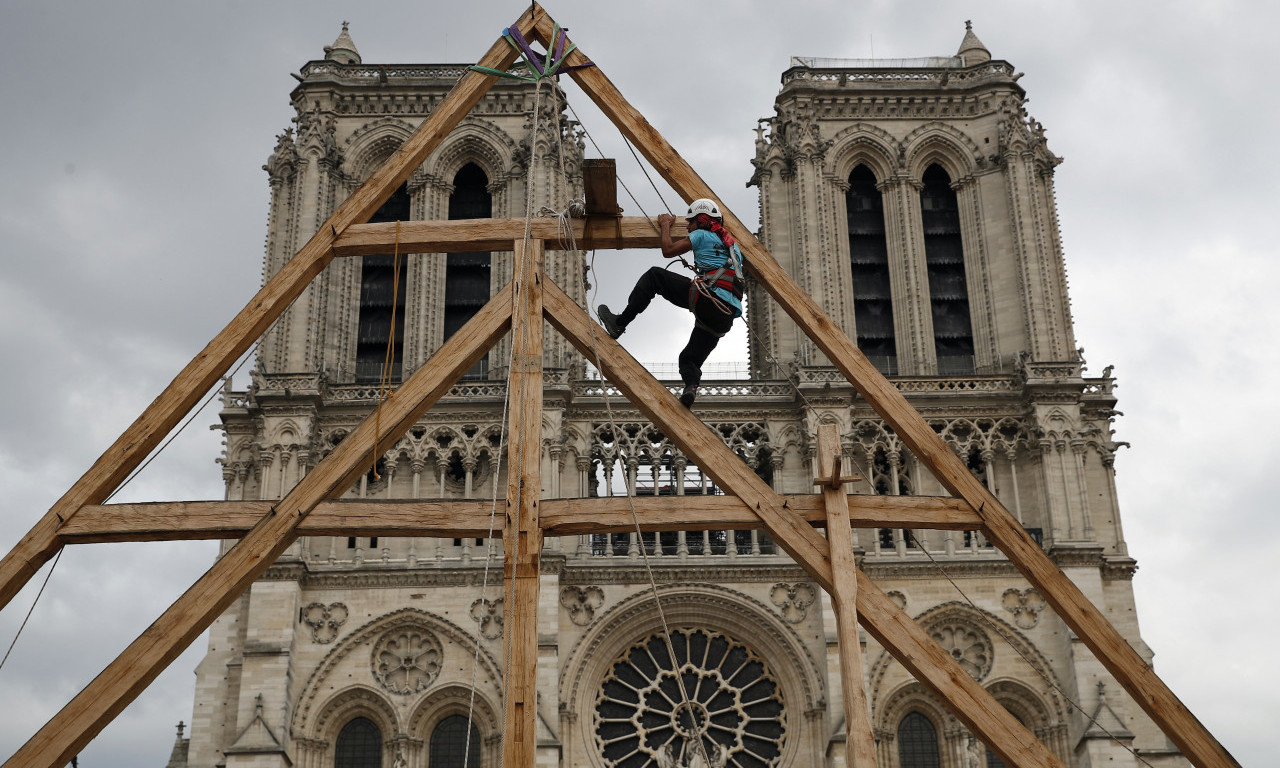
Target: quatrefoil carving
1025,606
488,614
324,620
582,603
793,600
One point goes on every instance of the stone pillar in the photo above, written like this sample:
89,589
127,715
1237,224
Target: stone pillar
908,276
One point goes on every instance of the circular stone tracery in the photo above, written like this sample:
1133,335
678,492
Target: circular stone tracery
407,660
735,706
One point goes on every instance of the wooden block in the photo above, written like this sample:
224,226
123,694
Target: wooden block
600,182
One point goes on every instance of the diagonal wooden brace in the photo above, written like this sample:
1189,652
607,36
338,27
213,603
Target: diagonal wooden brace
134,669
904,638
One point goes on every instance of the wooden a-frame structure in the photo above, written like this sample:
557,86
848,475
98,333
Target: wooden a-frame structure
266,529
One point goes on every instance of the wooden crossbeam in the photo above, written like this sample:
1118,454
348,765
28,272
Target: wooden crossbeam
498,234
111,691
902,636
204,370
860,744
452,518
1084,618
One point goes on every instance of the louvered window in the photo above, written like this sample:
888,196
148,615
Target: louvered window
869,261
381,298
466,286
948,289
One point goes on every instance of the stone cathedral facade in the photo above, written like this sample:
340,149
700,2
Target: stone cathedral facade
914,199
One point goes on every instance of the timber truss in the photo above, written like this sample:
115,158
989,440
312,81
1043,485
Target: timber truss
266,529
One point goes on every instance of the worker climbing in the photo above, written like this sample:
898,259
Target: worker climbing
714,295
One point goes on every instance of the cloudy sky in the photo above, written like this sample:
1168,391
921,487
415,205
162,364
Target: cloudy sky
133,214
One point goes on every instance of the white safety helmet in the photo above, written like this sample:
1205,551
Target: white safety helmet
704,205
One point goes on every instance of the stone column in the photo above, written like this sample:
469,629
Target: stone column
908,276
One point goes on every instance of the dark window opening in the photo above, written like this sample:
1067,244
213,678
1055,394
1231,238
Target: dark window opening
918,743
359,745
382,295
944,259
869,261
449,744
466,287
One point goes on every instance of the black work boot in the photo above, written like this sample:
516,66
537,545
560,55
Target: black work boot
688,396
609,321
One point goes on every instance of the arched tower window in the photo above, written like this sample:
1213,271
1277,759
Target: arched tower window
359,745
449,744
918,743
869,259
466,281
944,257
378,293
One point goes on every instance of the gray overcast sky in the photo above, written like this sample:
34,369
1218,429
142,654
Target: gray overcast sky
133,214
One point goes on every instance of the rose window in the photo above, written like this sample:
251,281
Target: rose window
968,646
407,660
734,707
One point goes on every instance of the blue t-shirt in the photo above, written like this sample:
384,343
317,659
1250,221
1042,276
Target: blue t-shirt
710,254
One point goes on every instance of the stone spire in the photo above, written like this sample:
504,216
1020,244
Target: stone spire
972,51
344,50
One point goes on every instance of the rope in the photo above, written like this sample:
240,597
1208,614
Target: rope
389,359
32,609
112,495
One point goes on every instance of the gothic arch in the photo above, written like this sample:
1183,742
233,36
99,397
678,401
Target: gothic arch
345,705
937,142
1001,633
706,606
474,141
372,143
905,699
863,144
454,700
361,639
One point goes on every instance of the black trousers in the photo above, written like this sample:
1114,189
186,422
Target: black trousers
712,322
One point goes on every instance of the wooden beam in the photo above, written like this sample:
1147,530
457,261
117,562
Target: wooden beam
908,643
453,518
498,234
111,691
699,443
860,744
1111,648
522,534
177,399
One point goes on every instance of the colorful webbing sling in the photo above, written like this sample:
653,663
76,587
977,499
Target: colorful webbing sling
541,65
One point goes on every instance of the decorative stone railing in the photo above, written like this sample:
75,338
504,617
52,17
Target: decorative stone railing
891,75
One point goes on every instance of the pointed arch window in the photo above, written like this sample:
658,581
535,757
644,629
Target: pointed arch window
944,259
466,277
869,261
449,748
918,743
382,294
359,745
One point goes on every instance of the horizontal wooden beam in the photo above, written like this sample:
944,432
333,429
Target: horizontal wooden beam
194,520
498,235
